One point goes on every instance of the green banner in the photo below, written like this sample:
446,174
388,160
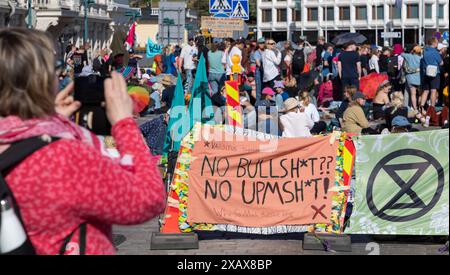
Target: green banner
402,184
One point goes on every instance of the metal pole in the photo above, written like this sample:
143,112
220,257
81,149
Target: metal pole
421,20
30,22
376,22
437,15
85,22
326,24
179,23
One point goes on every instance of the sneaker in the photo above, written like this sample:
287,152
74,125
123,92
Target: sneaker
385,131
427,122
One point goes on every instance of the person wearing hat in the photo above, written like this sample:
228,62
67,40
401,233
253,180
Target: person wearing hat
295,123
169,90
248,114
133,59
354,120
156,97
400,124
281,96
267,113
381,100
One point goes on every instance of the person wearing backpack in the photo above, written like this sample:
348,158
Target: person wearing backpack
299,60
69,192
395,65
430,74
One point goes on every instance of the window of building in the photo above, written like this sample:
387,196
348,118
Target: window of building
428,10
312,14
266,15
441,11
281,15
378,12
329,13
412,11
296,15
344,13
361,13
396,12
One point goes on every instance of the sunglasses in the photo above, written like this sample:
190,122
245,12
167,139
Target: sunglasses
271,44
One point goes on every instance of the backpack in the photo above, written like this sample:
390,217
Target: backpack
298,62
97,64
17,152
393,69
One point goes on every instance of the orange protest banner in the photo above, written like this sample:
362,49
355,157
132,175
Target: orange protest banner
234,182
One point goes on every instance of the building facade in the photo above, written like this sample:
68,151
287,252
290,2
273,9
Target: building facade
290,19
64,19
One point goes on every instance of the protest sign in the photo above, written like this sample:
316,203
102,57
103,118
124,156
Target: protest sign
222,27
402,184
235,182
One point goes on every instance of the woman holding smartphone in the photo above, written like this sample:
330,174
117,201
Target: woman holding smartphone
71,181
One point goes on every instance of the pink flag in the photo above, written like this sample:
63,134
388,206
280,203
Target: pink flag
131,37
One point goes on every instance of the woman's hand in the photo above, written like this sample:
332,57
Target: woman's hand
65,103
118,103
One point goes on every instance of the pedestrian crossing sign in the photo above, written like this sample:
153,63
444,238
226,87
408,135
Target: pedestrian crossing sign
220,6
240,9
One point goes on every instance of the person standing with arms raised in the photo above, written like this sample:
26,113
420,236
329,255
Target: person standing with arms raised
349,66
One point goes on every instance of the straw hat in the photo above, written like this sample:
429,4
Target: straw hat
290,104
167,80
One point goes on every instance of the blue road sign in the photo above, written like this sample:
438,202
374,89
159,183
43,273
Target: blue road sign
240,9
220,6
221,15
445,36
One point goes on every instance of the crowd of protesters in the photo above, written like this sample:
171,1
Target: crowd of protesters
324,79
286,89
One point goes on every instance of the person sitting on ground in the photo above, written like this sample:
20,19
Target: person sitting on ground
156,96
401,124
311,111
79,186
349,92
248,114
251,81
325,95
398,108
295,123
381,100
281,95
354,120
267,113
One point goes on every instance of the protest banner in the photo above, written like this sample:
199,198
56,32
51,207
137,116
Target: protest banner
153,49
175,217
402,184
235,182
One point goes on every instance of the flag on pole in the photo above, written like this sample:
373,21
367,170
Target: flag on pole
178,125
153,48
130,42
200,105
234,112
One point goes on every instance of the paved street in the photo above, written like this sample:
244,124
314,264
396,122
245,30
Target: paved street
137,242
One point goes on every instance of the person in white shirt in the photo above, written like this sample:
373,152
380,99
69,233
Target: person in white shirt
373,61
188,57
312,112
271,61
235,50
295,123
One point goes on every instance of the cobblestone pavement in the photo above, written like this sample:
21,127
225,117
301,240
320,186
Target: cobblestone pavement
135,240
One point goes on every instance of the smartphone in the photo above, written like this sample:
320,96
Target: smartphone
89,90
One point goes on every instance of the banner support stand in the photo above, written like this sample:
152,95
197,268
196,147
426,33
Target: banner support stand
327,242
